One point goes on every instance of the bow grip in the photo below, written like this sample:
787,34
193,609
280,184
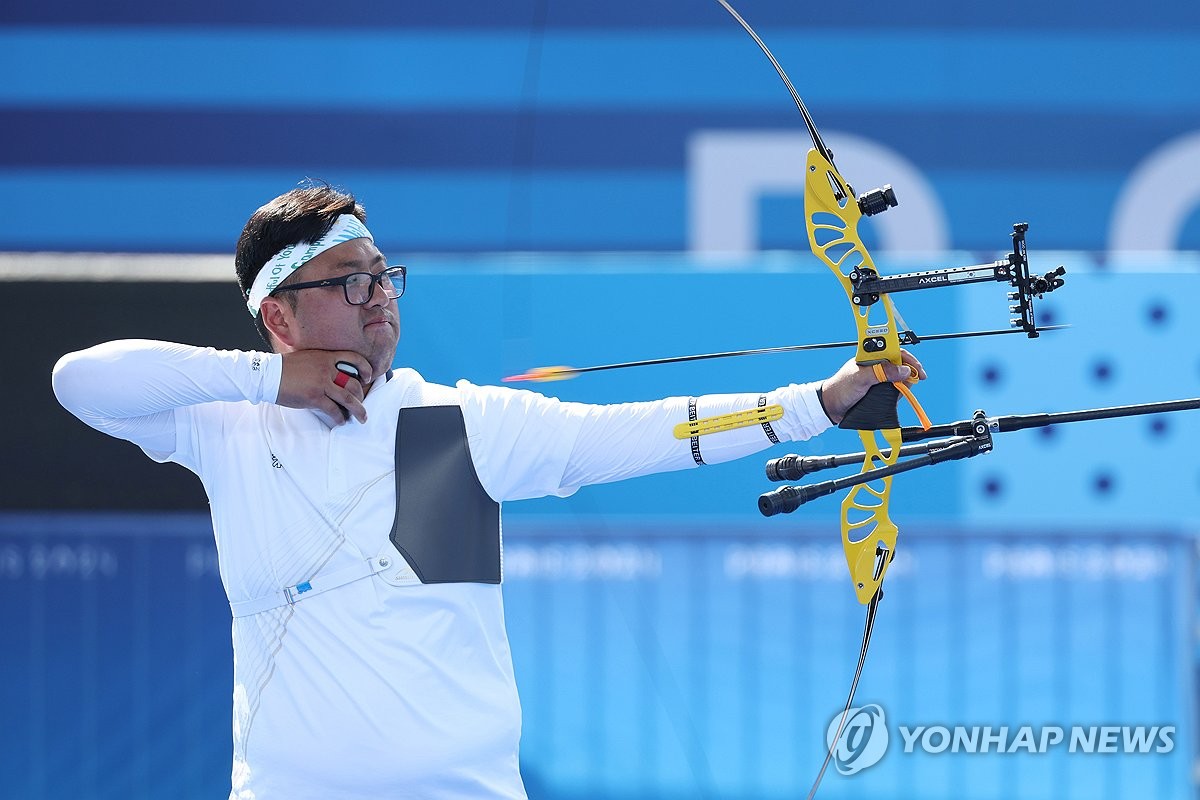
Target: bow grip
877,410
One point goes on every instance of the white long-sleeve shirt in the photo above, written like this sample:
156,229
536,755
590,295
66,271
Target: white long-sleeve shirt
381,687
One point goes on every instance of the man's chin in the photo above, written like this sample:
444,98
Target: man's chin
382,358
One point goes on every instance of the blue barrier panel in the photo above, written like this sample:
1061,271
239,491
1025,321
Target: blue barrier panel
118,670
656,657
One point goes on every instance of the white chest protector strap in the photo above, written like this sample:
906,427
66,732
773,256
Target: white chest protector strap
290,595
446,527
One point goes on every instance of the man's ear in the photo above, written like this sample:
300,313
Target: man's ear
279,320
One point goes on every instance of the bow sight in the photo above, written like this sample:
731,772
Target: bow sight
869,286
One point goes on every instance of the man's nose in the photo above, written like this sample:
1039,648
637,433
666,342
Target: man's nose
378,296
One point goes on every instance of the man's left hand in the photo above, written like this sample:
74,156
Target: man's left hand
848,385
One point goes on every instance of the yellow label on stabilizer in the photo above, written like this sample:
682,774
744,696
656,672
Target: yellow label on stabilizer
728,422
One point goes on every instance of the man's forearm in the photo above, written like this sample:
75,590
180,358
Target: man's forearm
130,388
619,442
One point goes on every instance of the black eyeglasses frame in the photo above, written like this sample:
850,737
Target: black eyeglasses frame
343,281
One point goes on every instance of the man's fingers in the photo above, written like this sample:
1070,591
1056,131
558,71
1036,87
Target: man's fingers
912,361
330,383
348,384
329,412
909,370
349,399
357,364
349,393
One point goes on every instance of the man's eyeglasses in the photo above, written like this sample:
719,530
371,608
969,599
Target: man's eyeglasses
359,286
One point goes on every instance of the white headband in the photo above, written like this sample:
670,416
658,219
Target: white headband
291,258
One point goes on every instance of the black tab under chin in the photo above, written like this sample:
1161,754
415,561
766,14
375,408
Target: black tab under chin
877,410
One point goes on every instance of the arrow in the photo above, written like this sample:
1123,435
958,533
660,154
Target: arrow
546,374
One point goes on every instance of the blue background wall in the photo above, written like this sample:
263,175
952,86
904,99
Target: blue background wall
534,163
544,125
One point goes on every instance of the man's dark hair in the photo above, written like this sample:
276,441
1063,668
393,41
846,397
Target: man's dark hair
304,214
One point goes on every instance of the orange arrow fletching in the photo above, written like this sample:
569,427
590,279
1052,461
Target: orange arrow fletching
543,375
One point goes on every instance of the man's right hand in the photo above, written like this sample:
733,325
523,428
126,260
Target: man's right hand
309,380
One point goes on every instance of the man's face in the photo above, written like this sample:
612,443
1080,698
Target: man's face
323,320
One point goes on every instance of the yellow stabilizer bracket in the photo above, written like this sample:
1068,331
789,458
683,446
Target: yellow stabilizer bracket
728,422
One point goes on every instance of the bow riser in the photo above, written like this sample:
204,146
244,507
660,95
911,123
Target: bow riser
832,217
868,533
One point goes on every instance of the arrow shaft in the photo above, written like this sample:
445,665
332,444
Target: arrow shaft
705,356
907,338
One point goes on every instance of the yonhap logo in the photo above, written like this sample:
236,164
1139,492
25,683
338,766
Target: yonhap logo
863,742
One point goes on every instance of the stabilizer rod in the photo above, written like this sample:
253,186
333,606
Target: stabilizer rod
1020,422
